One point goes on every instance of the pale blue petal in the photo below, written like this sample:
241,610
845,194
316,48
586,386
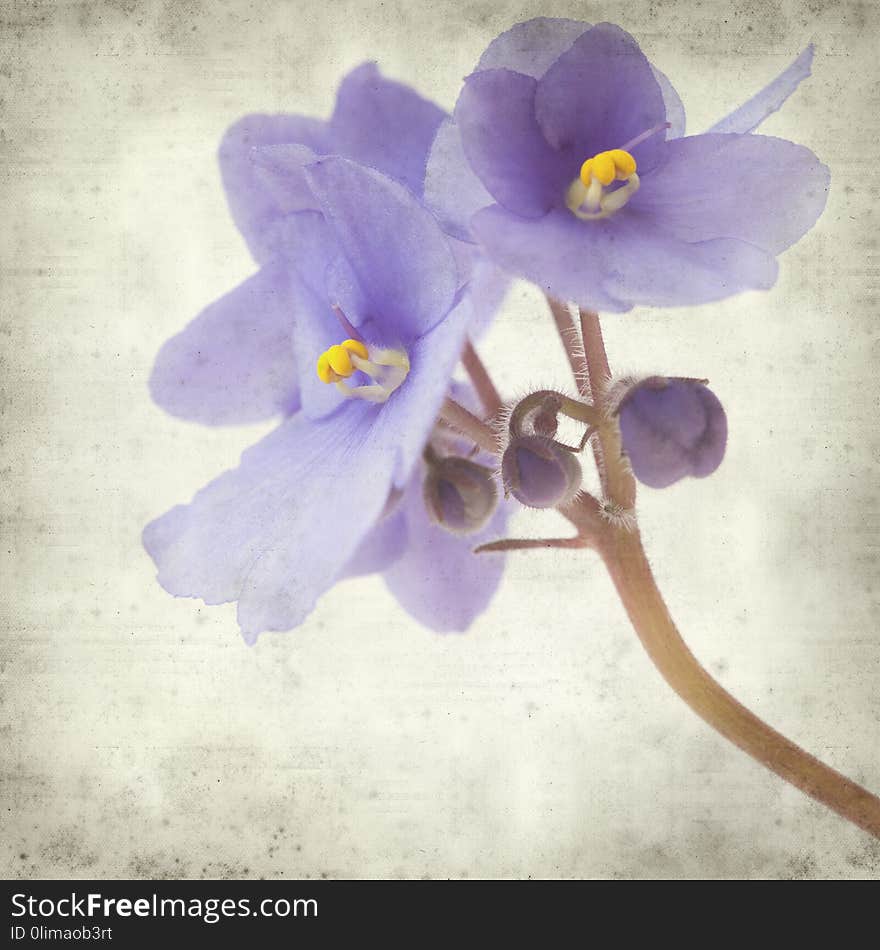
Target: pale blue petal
265,534
453,191
402,259
756,188
384,124
532,47
234,363
253,205
770,99
675,115
385,544
439,580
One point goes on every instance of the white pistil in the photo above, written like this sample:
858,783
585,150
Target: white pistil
596,202
387,368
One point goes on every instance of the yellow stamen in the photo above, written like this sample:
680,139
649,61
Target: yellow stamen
587,197
336,363
606,166
325,374
355,347
387,368
624,163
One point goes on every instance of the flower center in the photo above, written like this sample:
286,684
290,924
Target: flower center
597,193
387,369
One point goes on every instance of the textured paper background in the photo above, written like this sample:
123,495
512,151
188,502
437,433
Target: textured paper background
141,737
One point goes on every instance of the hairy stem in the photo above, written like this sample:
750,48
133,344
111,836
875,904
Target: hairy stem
577,358
571,341
598,370
617,480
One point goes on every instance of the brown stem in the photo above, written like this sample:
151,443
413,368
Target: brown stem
574,350
464,421
625,559
629,569
481,380
522,544
617,480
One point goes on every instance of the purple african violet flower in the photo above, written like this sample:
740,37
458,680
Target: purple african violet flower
671,221
234,363
250,355
279,530
672,428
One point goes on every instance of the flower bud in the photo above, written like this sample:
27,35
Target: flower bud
539,473
460,495
671,428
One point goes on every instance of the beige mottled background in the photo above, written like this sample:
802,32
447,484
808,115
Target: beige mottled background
142,738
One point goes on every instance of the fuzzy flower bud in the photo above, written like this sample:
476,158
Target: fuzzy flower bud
539,473
672,428
460,495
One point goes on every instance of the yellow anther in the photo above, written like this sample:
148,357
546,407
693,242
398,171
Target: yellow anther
355,347
340,361
624,163
606,166
336,363
325,373
386,369
603,168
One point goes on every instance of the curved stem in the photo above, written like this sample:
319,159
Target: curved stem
625,559
628,566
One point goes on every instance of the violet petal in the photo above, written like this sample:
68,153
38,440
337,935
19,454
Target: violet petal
384,124
453,191
533,46
384,545
770,99
402,259
252,203
264,533
280,169
440,581
409,415
504,145
675,114
559,253
234,362
622,261
599,95
646,266
756,188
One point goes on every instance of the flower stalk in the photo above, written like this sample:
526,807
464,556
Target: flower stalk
481,380
624,557
620,548
470,426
